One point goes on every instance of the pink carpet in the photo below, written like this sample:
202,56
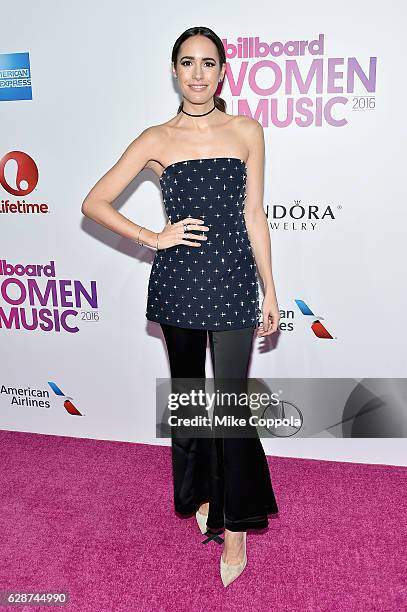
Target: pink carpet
95,518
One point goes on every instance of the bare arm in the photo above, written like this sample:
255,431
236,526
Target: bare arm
97,205
257,224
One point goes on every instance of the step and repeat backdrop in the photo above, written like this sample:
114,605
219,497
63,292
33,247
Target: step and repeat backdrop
80,81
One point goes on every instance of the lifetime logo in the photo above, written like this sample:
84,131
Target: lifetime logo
319,330
24,171
19,177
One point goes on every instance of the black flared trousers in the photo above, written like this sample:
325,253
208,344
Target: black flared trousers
231,473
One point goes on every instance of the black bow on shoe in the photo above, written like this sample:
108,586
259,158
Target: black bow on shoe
215,536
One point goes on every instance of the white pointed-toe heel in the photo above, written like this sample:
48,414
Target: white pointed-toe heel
201,520
228,573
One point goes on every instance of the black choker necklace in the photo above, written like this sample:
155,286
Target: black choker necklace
203,114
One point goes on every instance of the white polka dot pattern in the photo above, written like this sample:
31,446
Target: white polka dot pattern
215,286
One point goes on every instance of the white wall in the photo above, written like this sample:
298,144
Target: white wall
100,75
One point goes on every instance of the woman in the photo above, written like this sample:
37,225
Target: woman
203,279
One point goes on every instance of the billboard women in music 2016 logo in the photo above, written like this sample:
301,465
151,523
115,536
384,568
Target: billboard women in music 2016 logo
294,82
34,299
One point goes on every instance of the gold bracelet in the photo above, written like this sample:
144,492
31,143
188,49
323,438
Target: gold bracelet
139,232
142,243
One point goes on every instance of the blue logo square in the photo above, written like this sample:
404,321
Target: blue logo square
15,76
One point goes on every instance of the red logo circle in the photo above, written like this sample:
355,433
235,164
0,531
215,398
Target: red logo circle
26,172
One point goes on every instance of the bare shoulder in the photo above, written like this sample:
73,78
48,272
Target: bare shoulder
150,141
248,125
250,131
150,136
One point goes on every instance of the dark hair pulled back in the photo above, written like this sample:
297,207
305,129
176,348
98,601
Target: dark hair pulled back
219,102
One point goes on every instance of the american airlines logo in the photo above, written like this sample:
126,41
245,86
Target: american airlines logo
317,327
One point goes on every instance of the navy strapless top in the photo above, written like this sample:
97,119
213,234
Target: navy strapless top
215,286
